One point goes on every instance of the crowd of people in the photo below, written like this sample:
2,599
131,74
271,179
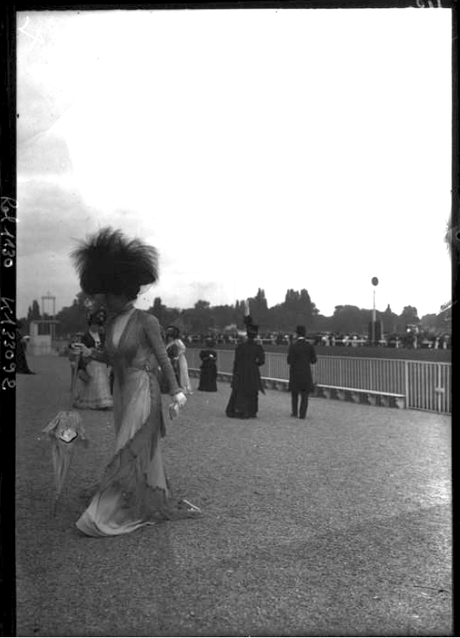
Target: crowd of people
409,339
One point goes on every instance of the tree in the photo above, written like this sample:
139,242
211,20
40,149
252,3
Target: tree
166,316
296,309
158,309
260,306
348,319
74,318
33,314
199,318
408,316
389,320
307,308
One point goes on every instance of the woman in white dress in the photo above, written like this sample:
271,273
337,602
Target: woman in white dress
92,390
134,490
176,349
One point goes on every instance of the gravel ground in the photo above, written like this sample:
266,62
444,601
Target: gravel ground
337,525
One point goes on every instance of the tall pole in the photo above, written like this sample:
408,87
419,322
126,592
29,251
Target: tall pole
373,319
375,282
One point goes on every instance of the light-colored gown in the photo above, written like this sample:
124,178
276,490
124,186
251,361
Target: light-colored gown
134,489
183,367
94,393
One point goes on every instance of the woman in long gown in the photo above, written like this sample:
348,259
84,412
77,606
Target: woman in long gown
22,367
134,490
208,368
246,380
92,390
176,348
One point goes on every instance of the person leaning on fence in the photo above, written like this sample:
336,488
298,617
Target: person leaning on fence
300,355
246,381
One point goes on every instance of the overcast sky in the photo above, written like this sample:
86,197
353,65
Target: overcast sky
254,148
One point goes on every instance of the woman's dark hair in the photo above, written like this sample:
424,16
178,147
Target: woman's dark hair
173,331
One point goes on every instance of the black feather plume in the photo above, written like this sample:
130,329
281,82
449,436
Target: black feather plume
110,262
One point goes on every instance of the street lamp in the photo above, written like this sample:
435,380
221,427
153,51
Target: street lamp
375,283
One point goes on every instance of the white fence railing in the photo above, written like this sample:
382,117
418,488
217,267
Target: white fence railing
425,384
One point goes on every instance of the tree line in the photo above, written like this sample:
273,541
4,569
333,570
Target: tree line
297,308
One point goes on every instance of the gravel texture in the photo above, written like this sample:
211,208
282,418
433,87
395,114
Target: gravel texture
339,525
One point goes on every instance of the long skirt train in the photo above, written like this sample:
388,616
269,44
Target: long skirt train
134,490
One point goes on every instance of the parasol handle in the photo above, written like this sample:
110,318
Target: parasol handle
74,380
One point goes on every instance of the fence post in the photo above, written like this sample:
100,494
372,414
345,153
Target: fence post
406,382
438,388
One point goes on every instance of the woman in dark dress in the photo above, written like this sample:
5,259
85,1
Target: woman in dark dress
22,367
208,368
246,381
172,333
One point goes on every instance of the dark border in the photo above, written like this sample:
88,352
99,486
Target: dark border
455,256
8,274
7,320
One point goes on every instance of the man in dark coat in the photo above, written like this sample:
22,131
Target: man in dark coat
300,355
246,382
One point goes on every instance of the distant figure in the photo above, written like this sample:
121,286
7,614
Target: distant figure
246,382
300,355
208,368
176,351
172,352
22,367
93,383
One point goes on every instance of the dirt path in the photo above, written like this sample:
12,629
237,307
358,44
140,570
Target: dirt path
339,525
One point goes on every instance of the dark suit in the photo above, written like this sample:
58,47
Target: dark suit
246,382
300,355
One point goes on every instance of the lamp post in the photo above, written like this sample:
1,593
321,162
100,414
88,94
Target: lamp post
375,283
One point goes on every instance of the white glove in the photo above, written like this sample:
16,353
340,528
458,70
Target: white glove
180,399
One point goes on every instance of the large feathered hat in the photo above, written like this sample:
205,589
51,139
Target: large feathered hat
110,262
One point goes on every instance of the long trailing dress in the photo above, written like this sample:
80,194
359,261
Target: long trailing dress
246,381
134,490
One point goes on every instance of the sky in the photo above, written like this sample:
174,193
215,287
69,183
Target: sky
265,148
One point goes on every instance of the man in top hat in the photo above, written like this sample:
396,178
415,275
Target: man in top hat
300,355
246,382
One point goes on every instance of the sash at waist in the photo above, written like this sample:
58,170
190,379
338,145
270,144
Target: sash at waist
146,367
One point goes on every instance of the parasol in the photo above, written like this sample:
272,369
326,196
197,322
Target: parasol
65,431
